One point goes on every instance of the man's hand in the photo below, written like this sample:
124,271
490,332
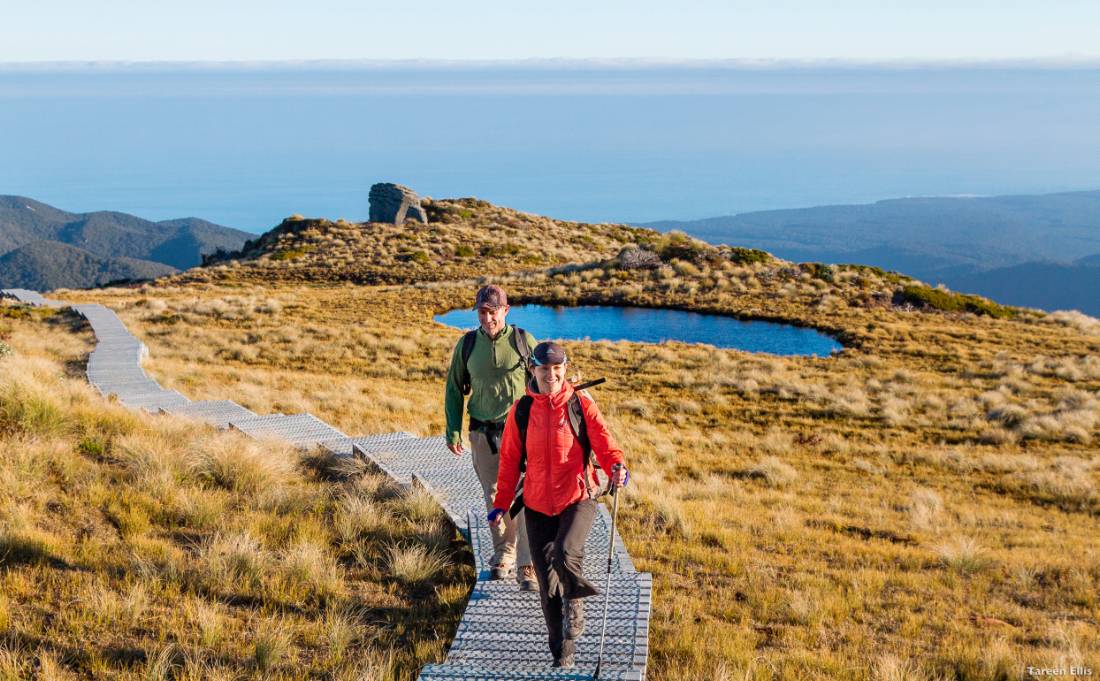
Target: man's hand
495,516
456,448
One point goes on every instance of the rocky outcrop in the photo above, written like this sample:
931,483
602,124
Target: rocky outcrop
634,258
395,204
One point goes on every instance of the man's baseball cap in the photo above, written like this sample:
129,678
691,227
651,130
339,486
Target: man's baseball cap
491,296
548,352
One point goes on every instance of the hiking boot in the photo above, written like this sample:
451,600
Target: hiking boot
526,579
501,572
572,615
565,661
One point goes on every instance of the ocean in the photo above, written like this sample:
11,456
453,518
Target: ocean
246,145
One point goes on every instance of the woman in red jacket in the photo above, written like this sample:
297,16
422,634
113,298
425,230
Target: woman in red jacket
559,492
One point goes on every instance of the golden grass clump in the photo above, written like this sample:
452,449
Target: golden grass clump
148,547
244,465
901,509
773,471
411,563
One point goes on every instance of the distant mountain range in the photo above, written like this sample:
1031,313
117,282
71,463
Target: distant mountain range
1050,286
42,247
1033,250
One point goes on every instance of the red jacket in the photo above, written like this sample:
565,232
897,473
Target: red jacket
554,456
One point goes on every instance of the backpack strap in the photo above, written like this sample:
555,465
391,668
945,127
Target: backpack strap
468,342
522,344
523,417
580,427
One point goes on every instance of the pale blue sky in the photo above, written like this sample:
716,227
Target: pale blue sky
235,30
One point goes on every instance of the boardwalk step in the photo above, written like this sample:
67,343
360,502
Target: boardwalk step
298,429
215,412
345,446
154,402
402,457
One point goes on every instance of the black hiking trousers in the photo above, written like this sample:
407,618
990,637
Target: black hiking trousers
557,552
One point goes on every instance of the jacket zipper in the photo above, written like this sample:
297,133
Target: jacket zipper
550,459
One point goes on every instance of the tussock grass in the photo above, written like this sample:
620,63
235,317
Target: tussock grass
207,622
163,665
273,644
342,631
51,669
30,405
412,563
358,516
417,505
148,548
309,570
1074,320
892,668
773,471
378,665
964,555
926,510
106,607
12,665
921,402
244,465
1069,483
237,561
664,517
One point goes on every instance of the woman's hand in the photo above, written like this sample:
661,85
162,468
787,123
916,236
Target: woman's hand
620,476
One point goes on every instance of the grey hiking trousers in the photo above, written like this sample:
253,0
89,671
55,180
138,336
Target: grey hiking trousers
510,546
557,543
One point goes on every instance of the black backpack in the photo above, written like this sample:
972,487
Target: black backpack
520,343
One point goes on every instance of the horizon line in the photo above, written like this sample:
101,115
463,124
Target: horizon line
803,207
1067,61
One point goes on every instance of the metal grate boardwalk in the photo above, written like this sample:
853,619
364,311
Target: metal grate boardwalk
502,635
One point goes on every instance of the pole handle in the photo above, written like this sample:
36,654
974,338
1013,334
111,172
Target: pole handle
589,384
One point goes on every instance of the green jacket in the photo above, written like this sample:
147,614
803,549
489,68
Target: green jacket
496,380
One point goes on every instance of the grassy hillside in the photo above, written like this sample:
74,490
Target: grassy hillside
922,506
463,235
138,548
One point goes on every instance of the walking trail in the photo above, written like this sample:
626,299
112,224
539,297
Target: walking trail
502,635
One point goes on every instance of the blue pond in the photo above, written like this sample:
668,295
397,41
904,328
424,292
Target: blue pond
656,325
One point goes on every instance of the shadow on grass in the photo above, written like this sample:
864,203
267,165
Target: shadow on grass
20,549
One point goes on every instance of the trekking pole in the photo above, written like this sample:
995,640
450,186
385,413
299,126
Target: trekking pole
610,555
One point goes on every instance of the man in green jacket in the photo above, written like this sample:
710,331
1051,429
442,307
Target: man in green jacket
490,364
